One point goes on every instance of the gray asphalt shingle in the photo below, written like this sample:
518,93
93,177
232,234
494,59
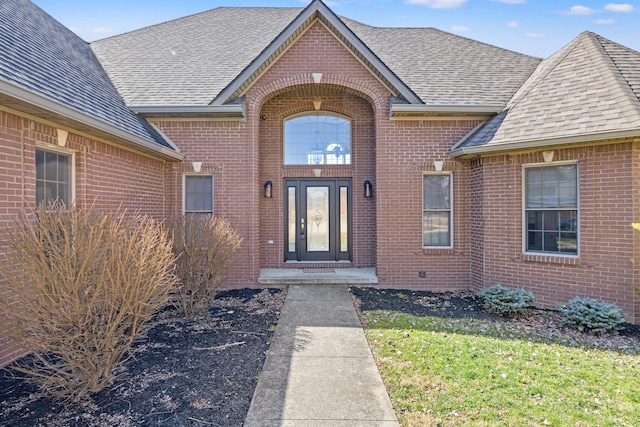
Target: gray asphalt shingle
39,54
189,61
590,86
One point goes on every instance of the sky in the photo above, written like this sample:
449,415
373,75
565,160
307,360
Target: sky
533,27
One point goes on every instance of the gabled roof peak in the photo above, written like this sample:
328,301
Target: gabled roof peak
315,10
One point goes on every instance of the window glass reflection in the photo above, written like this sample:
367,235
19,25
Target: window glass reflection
318,139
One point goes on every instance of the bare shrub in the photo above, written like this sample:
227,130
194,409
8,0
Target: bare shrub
204,246
84,287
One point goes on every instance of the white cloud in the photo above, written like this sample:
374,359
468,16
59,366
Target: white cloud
534,35
438,4
459,29
511,1
580,10
615,7
604,22
513,24
101,30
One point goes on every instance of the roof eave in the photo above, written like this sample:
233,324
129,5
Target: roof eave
316,6
42,107
231,112
543,143
465,112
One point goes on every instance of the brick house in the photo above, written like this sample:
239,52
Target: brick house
406,158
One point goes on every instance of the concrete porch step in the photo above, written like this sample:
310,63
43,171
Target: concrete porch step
318,276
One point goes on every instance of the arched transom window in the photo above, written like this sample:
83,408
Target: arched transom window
317,139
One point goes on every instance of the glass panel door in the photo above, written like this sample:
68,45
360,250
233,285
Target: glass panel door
318,220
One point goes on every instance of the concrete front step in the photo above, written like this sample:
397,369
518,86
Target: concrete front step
318,276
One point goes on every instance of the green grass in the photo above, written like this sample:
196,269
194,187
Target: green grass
464,372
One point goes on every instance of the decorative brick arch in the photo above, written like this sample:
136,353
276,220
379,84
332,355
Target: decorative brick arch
377,97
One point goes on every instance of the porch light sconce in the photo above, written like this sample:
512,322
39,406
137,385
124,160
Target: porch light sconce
268,187
368,189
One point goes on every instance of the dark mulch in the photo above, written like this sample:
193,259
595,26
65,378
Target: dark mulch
199,372
203,372
465,304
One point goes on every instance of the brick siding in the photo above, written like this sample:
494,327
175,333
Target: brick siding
604,268
106,177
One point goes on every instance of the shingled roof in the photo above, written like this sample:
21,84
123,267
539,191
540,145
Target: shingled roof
190,61
588,90
47,67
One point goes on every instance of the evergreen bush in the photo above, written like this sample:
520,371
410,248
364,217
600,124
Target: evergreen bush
502,300
593,316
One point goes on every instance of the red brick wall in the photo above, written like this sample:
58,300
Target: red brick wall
243,155
604,269
228,152
407,150
362,168
391,154
106,177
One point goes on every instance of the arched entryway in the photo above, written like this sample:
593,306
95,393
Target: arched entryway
317,149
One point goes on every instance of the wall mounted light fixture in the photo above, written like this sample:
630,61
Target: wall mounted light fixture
368,189
268,189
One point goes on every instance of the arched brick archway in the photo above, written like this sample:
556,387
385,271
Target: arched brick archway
270,107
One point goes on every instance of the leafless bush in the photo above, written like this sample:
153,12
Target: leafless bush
84,287
204,246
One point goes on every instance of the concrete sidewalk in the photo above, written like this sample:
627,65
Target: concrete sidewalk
319,370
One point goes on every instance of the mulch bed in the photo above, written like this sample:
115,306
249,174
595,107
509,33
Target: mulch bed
203,372
198,372
542,323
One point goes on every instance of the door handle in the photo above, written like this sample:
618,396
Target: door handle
301,228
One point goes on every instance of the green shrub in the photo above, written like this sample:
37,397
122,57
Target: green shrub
82,288
503,300
203,247
593,316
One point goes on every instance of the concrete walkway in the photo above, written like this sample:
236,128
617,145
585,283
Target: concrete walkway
319,370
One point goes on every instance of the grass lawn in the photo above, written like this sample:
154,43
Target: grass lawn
469,372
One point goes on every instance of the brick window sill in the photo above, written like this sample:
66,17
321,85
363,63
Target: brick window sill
439,252
550,259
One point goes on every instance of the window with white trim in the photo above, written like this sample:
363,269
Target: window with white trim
437,210
198,194
551,209
53,177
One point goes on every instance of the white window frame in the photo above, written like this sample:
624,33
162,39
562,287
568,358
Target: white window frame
72,167
451,210
525,210
184,193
